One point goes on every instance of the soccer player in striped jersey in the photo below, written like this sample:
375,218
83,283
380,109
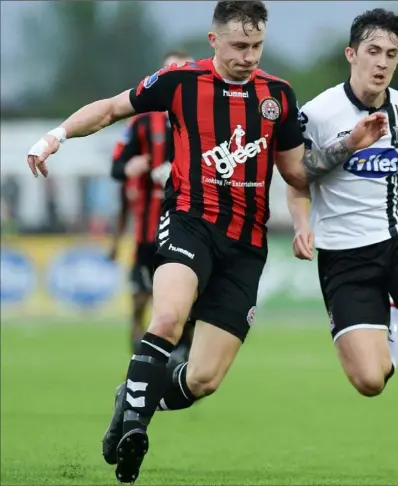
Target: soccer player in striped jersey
231,123
354,209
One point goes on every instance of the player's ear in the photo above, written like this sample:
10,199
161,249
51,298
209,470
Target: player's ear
212,36
350,55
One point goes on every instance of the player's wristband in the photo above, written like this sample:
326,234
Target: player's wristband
59,133
39,147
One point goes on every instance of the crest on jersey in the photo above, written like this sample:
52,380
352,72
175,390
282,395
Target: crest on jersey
251,314
373,163
270,109
151,80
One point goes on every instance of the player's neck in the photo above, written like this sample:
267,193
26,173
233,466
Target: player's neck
373,100
225,74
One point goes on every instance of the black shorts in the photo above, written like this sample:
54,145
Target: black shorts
141,274
356,284
228,271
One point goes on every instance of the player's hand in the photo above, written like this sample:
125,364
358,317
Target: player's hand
368,131
303,243
137,165
39,153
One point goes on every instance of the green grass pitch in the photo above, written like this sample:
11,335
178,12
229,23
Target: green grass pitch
285,415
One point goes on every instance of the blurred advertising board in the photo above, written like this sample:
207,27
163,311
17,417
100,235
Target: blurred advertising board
71,275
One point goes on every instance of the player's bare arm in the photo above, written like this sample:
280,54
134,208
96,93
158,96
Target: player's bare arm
86,121
299,204
318,162
98,115
299,167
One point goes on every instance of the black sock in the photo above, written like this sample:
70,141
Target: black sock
177,395
146,381
136,346
390,374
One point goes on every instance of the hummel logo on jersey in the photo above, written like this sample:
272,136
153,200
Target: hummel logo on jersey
225,160
235,94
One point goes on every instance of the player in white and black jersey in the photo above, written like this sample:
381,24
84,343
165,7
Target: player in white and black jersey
354,209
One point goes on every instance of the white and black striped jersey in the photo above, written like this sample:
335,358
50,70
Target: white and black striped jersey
356,204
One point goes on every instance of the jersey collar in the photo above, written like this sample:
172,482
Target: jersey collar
210,64
358,103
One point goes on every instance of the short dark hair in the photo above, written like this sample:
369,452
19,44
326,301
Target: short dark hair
369,21
247,11
178,53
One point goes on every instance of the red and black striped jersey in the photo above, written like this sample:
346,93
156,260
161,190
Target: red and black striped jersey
149,133
225,138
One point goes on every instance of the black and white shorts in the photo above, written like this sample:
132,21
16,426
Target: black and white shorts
356,284
228,271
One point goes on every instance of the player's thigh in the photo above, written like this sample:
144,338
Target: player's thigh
212,353
229,301
365,356
357,302
183,264
175,288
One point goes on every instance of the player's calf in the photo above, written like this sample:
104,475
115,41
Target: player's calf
212,353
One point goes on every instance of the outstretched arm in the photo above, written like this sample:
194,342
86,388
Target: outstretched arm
89,119
98,115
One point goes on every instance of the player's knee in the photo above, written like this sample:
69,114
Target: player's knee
166,325
369,384
202,382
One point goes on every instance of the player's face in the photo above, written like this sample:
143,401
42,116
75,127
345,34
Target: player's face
176,60
374,62
237,50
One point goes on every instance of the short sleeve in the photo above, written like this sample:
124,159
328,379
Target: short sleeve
309,127
156,92
290,134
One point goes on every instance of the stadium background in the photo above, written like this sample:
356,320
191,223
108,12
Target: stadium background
285,414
